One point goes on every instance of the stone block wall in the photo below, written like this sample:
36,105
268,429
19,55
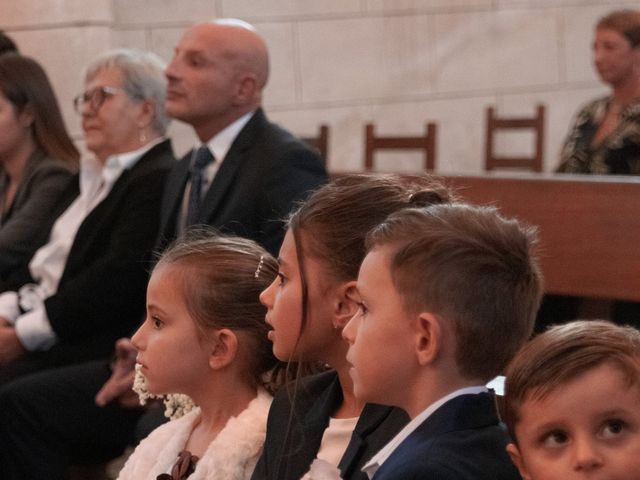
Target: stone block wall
397,63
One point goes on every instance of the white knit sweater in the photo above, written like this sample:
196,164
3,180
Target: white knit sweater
231,456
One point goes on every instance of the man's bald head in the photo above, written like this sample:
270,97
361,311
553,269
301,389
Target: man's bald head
216,75
241,45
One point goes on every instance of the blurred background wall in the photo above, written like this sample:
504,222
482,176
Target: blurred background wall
397,63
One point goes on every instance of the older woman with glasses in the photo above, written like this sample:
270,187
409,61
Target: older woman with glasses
37,161
86,286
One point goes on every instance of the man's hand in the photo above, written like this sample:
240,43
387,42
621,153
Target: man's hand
118,387
10,346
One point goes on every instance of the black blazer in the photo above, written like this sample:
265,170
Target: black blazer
290,456
462,439
264,173
101,294
26,226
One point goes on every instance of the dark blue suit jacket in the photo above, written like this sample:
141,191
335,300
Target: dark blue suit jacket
288,452
462,439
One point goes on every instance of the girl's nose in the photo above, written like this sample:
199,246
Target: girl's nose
350,329
266,297
137,340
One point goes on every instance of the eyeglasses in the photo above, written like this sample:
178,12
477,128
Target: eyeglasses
94,97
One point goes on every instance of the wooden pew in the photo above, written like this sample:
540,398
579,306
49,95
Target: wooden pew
589,227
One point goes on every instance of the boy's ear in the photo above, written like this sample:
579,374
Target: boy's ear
516,458
224,348
346,305
429,337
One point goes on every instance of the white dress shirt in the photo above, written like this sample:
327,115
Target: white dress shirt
335,440
219,146
372,466
47,265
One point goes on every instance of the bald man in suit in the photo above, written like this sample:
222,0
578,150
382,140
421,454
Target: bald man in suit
243,177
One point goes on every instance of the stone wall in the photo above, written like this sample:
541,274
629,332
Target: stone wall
398,63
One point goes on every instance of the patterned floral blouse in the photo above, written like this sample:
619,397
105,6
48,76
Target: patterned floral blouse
618,153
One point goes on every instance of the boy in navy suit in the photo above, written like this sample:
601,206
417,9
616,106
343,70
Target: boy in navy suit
447,296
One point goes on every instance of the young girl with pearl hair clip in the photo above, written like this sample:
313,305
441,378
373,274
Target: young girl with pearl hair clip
205,337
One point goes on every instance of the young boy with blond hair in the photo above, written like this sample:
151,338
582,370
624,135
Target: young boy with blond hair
447,295
572,403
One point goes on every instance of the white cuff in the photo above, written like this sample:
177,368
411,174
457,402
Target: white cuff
9,306
34,330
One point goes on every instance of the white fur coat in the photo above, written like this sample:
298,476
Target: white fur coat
231,456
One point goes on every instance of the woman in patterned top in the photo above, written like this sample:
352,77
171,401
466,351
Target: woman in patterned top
605,136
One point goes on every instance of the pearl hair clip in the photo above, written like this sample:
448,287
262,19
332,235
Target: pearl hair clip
260,264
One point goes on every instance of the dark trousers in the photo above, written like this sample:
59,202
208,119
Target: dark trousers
49,420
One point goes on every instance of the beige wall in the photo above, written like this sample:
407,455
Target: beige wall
398,63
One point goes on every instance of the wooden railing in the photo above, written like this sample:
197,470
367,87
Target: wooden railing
589,227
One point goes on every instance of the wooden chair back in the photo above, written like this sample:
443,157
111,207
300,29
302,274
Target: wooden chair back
495,124
426,142
320,143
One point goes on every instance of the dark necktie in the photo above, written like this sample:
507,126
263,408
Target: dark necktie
202,158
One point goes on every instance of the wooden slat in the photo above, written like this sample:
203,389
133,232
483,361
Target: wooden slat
493,124
320,143
427,143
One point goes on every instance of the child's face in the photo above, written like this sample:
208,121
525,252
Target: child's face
381,338
172,355
586,428
283,299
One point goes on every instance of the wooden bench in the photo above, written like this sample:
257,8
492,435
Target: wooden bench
589,227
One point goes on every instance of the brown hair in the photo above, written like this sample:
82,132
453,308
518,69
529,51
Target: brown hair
561,354
333,223
222,280
474,268
7,45
25,85
625,22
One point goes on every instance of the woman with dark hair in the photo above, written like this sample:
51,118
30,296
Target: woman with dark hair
605,136
37,160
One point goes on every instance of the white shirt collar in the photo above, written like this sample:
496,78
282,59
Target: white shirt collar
220,144
93,172
372,466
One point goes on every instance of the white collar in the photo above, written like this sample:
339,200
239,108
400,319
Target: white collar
220,144
93,171
231,455
379,458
